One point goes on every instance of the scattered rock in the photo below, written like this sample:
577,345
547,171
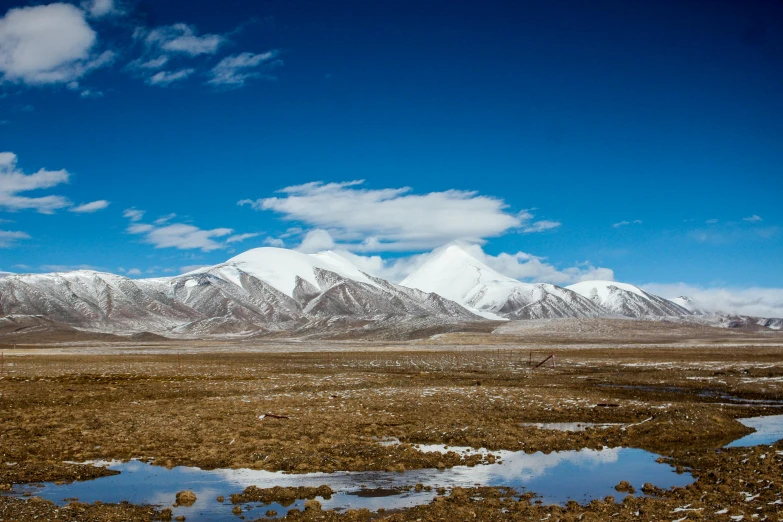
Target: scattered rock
186,498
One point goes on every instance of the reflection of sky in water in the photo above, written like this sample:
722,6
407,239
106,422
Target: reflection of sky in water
556,477
769,430
568,426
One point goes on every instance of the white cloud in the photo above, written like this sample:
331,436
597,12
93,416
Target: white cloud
87,93
155,63
9,237
756,301
753,219
165,78
179,235
274,242
48,44
133,272
182,236
519,265
316,241
100,8
541,226
180,38
133,214
241,237
13,182
164,219
711,221
235,70
169,44
93,206
367,220
625,223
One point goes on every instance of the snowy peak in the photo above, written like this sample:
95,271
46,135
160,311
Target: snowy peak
283,269
626,299
456,274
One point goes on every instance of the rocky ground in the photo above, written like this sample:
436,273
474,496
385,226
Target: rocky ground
323,407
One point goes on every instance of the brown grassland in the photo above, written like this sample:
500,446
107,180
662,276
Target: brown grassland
327,403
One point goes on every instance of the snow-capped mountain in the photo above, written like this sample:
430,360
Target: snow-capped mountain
265,289
274,291
457,275
628,300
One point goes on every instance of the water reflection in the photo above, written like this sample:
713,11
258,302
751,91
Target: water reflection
556,477
769,430
569,426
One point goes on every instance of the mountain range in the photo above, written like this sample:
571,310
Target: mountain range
275,291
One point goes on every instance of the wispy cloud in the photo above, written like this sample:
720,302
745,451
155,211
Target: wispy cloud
753,219
163,234
179,38
168,45
241,237
9,237
234,71
14,182
626,223
540,226
30,54
168,77
394,219
93,206
133,214
84,93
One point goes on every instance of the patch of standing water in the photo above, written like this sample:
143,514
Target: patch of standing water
555,477
769,430
569,426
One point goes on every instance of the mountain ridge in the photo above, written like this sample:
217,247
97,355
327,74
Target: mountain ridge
274,291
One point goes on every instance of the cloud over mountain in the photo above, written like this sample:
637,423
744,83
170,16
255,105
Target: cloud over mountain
395,219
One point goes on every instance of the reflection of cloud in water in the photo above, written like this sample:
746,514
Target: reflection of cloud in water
556,477
524,467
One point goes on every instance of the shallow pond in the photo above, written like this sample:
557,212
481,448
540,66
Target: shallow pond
555,477
569,426
769,430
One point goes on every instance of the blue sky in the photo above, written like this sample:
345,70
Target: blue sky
641,138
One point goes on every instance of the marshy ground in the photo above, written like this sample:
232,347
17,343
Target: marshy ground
324,406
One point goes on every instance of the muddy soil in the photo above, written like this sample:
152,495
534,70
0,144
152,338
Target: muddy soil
327,410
